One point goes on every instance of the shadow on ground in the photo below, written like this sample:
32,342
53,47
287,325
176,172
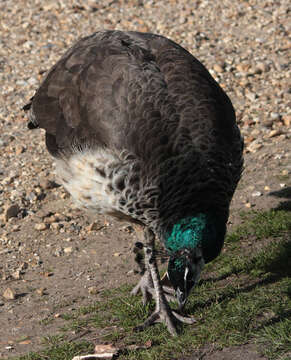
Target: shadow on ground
283,193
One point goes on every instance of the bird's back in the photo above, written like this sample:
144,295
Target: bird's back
140,126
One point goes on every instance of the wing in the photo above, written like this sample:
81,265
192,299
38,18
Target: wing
111,85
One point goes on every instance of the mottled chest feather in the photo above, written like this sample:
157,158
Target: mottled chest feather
89,178
107,182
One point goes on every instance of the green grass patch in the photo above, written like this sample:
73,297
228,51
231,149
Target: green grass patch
245,296
61,351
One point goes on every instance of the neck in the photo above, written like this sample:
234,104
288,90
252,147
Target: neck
187,233
204,229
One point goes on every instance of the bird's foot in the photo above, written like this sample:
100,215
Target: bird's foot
151,286
167,316
146,287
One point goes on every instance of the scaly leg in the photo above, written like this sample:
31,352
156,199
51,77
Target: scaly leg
145,285
163,312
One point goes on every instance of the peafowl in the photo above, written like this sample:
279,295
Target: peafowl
141,131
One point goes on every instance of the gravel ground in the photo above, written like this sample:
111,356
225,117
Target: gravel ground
46,244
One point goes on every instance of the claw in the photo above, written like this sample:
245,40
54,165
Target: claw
160,317
167,316
184,319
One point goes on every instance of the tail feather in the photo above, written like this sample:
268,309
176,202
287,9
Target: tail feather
27,106
32,123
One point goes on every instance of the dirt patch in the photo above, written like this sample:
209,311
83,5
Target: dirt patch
247,351
64,268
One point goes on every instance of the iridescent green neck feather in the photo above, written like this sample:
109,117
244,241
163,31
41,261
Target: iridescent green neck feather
205,229
187,233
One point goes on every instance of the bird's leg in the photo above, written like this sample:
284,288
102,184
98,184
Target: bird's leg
163,312
145,285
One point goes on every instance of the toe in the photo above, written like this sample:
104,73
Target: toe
184,319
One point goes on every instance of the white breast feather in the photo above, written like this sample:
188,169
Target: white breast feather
86,176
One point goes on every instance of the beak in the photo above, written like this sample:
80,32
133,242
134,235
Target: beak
181,298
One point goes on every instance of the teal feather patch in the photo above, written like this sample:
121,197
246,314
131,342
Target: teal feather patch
187,233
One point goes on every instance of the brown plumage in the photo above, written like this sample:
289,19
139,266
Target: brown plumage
140,131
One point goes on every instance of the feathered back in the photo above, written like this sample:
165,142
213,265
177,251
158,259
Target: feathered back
145,94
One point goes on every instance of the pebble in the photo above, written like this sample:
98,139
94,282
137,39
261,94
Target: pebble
256,194
68,250
12,211
47,184
263,67
16,227
254,147
217,68
50,220
65,195
128,228
275,116
23,266
286,120
19,149
274,132
9,294
41,226
268,123
95,226
31,196
59,252
41,291
242,68
93,290
56,225
16,274
251,96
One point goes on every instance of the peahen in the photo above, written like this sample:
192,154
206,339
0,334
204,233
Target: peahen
141,131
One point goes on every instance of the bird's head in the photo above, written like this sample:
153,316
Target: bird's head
184,270
192,242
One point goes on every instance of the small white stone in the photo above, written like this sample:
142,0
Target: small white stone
68,250
40,227
256,194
